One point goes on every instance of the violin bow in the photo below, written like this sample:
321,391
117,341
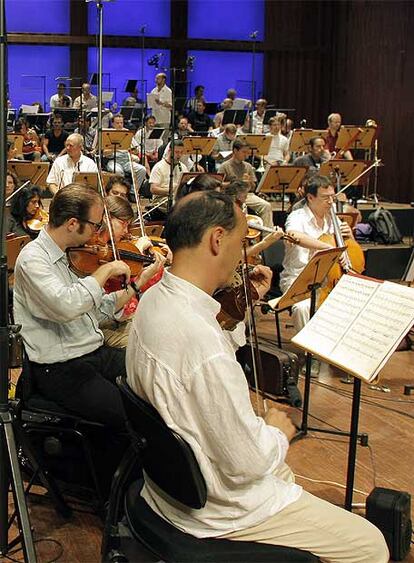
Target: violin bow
140,216
254,342
11,196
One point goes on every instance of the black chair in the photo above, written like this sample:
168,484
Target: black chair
170,463
57,444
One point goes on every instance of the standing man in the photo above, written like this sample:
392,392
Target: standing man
191,103
201,393
64,167
163,101
237,169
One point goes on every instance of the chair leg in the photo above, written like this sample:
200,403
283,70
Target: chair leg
278,334
110,537
45,477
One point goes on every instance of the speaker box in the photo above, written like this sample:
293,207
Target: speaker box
390,511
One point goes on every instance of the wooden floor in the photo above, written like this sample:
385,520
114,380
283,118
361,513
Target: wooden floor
388,461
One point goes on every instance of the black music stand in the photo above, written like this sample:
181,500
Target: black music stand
38,120
235,116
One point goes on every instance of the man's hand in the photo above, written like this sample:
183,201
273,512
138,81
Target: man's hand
346,230
280,419
261,278
119,268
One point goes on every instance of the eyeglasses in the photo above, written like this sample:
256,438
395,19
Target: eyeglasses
96,226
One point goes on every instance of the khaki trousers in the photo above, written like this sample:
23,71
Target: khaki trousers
262,207
116,333
329,532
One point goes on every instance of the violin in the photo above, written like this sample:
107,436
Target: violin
85,260
256,226
233,302
38,221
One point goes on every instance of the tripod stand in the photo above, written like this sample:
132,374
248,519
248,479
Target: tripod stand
9,465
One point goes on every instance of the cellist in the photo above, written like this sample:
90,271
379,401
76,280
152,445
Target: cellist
308,223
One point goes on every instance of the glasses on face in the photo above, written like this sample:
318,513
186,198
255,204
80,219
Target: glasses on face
327,197
96,226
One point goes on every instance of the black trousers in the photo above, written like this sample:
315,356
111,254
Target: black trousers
86,386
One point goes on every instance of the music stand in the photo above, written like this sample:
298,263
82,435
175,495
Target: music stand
35,172
361,137
299,142
281,180
235,116
115,140
199,146
156,133
69,115
16,141
211,108
14,246
38,120
259,144
343,171
91,179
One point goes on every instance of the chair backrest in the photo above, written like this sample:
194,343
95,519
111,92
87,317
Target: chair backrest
167,459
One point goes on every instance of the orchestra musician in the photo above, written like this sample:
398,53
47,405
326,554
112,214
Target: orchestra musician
227,103
63,168
204,397
12,183
53,143
151,146
24,206
331,137
60,99
191,103
163,101
86,101
199,119
117,185
224,142
60,312
258,116
31,142
316,156
279,148
237,169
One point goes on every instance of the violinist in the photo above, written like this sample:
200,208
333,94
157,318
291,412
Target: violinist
12,183
307,223
60,312
121,214
197,386
117,185
25,206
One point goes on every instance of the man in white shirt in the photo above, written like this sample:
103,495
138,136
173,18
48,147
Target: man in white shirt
258,116
199,389
61,99
307,223
61,173
86,101
163,100
160,177
279,148
141,137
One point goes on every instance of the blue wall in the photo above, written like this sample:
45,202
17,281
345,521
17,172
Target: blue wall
36,61
225,19
125,17
37,16
219,70
124,64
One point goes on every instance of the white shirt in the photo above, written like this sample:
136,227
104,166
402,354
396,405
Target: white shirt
160,174
63,169
161,113
182,362
278,148
258,127
296,257
87,104
59,312
151,145
55,101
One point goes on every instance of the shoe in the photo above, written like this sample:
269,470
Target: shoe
315,368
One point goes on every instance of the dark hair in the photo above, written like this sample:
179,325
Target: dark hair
16,180
117,180
116,115
148,117
235,188
316,182
238,144
61,85
19,124
200,183
20,201
198,87
192,216
178,143
313,140
72,201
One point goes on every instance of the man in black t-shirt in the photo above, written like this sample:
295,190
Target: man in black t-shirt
199,120
54,140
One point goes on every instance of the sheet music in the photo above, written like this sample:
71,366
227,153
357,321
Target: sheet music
336,315
240,103
151,103
377,330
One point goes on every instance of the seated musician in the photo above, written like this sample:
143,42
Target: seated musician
200,390
258,116
160,179
60,312
316,156
121,165
279,148
88,132
117,185
201,183
12,183
31,142
60,99
121,214
331,138
237,169
53,143
65,166
24,206
224,143
86,101
200,121
141,137
307,222
227,103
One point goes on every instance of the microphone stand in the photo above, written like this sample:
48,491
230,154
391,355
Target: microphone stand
9,463
143,94
99,8
253,36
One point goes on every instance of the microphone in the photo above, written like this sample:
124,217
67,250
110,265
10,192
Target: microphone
155,60
303,123
63,78
143,28
295,398
254,35
189,63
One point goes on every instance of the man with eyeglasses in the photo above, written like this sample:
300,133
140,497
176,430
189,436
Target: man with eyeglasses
307,223
60,312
